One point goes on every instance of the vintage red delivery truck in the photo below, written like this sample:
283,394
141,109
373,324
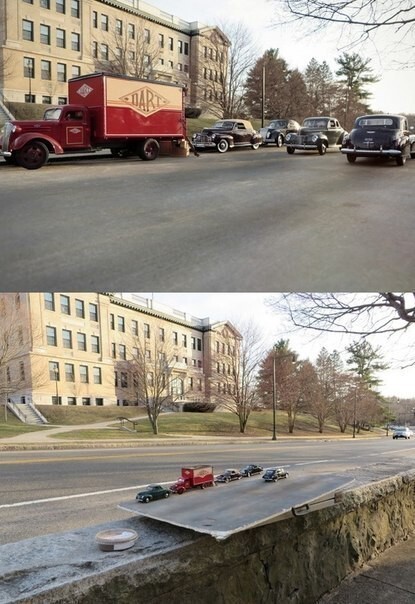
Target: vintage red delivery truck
128,116
192,477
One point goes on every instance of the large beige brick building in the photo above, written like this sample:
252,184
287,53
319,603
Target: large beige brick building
83,349
43,43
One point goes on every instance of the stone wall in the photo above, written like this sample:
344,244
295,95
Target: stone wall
295,560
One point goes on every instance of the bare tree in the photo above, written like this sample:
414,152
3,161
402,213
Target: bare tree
358,314
152,377
328,367
225,69
239,392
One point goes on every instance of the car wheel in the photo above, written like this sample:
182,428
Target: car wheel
255,146
222,146
322,149
290,150
401,161
33,156
226,480
279,140
351,158
166,495
146,499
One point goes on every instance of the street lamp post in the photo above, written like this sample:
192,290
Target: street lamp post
354,411
263,96
274,399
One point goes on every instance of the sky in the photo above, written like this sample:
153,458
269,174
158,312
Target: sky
394,93
240,308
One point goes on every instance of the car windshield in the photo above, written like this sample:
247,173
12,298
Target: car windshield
52,114
223,125
370,122
278,124
315,123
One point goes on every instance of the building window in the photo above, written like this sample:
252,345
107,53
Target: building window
45,34
199,344
95,344
60,6
28,67
104,52
51,336
147,354
186,68
147,36
193,340
184,340
104,22
184,360
116,378
180,46
124,379
93,312
122,351
97,375
80,308
65,305
75,41
118,27
30,98
121,324
61,72
66,338
134,327
175,338
147,60
86,401
94,19
150,378
171,44
180,66
99,402
28,1
199,384
75,9
27,30
113,350
46,100
199,364
60,38
22,373
54,371
69,372
186,48
81,339
83,374
161,40
45,70
147,330
71,400
49,299
161,61
161,334
131,31
76,71
190,383
62,100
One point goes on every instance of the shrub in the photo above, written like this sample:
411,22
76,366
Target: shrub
193,112
198,407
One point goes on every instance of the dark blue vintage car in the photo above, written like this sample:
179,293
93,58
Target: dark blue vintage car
386,136
316,134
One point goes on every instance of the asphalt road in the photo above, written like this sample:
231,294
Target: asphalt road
54,491
244,221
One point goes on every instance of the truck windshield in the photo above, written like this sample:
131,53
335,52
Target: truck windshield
52,114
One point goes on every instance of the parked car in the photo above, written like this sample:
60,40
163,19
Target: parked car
228,476
316,134
227,134
402,433
380,136
251,469
273,474
153,492
277,130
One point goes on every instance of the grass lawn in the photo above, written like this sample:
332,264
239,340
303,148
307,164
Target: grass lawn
14,427
62,415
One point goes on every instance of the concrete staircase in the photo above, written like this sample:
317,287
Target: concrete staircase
4,112
27,413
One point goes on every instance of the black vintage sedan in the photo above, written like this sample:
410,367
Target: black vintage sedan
227,134
277,130
385,136
316,134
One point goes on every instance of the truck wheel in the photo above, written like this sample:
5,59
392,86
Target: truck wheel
290,150
222,146
180,491
149,149
33,155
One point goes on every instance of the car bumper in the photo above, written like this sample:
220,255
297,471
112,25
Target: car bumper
372,152
303,146
204,145
5,154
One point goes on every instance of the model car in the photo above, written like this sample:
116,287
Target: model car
228,476
273,474
402,433
380,136
153,492
316,134
277,130
251,469
227,134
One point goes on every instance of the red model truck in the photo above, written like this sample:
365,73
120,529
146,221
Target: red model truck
196,476
129,116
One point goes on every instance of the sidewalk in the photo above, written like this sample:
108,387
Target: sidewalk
388,578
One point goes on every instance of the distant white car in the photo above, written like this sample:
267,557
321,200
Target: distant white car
402,433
